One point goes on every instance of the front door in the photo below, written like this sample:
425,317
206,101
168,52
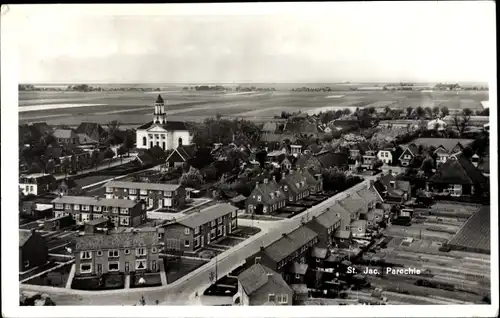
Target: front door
99,269
224,230
202,241
151,203
127,267
208,238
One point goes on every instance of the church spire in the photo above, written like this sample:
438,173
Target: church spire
159,116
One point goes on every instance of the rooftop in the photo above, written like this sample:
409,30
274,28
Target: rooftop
143,185
116,240
447,143
290,243
120,203
475,233
257,276
24,236
207,215
458,171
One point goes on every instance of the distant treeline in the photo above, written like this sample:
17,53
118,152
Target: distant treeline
85,88
220,88
397,87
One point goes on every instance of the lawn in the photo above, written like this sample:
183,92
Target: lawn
246,231
229,241
151,280
55,278
176,270
108,282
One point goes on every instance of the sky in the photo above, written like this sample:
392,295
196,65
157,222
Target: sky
366,42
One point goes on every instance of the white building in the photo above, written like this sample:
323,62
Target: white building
36,184
162,133
385,156
437,124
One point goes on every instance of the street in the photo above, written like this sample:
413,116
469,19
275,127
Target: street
180,292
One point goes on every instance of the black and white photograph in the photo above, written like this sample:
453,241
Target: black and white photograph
178,156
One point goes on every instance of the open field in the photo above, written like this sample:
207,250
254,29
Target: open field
135,108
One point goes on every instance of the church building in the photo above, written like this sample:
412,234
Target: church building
160,132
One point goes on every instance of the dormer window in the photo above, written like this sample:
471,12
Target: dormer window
259,198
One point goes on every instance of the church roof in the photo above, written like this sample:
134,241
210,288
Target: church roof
159,99
169,125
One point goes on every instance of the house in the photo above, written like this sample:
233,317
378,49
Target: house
100,225
342,236
33,250
325,226
66,136
410,152
392,190
266,198
276,156
358,229
181,154
308,161
90,133
371,216
294,185
121,252
458,177
295,149
259,285
167,135
121,212
43,128
315,182
201,228
354,204
36,183
385,155
33,210
369,158
156,195
288,255
286,164
437,124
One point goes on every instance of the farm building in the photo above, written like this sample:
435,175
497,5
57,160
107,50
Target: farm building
474,236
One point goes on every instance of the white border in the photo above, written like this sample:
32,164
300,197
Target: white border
11,27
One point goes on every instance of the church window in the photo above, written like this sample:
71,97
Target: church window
162,136
144,141
180,142
163,145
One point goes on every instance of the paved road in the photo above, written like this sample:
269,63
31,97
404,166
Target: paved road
116,162
181,291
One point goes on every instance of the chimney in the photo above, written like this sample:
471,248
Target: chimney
283,234
269,274
283,175
96,198
266,181
262,248
274,178
256,184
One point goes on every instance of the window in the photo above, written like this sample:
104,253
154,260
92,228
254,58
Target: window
86,268
59,206
282,299
156,136
167,193
140,252
187,231
124,210
219,220
271,297
115,210
133,191
97,208
196,242
162,136
26,264
140,264
126,251
99,253
186,243
212,233
144,192
153,250
285,188
212,223
85,255
113,266
144,141
264,209
67,207
219,231
76,207
179,142
259,198
318,260
124,221
85,207
153,265
197,230
347,227
113,253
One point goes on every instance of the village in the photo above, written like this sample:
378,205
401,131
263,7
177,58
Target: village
305,209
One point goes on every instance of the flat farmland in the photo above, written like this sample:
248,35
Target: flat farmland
135,108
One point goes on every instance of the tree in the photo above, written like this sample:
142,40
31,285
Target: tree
346,111
427,166
420,112
35,168
377,164
113,132
142,301
121,151
157,154
435,111
109,154
128,143
461,120
66,165
95,158
50,166
192,178
445,111
261,157
429,111
409,111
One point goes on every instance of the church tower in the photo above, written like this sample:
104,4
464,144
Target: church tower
159,116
